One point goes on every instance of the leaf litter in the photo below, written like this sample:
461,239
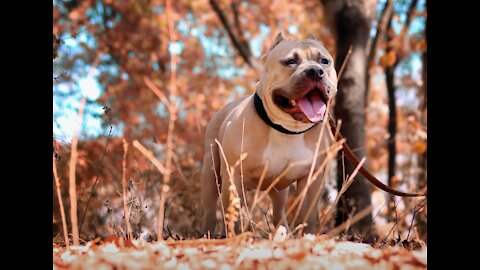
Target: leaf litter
241,252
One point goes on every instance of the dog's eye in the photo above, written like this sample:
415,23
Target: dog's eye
290,62
324,61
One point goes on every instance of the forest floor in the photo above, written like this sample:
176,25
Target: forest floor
241,252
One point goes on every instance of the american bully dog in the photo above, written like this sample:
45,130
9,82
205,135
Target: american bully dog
276,126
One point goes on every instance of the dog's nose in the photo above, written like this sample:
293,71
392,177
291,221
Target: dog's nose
315,73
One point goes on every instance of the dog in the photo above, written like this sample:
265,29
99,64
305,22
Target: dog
276,126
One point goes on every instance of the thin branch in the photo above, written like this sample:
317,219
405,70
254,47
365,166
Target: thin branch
381,28
73,163
218,187
360,215
107,112
415,211
241,47
171,121
60,201
124,189
345,61
410,14
149,155
157,91
380,31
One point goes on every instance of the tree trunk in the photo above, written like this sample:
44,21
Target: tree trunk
351,24
392,131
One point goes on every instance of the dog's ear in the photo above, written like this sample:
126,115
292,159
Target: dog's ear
311,36
279,38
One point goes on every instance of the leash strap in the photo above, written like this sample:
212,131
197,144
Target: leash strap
372,179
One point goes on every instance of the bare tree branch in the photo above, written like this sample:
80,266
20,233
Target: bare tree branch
410,13
381,27
238,41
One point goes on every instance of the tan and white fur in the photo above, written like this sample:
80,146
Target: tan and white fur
266,147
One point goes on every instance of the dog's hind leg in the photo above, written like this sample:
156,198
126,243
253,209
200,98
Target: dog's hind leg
210,182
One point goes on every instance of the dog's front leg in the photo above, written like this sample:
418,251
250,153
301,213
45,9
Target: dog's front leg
279,199
233,208
309,208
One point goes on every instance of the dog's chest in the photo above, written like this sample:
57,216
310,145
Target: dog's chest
289,154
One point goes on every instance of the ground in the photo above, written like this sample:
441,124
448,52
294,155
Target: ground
241,252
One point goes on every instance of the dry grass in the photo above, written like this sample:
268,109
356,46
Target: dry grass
60,200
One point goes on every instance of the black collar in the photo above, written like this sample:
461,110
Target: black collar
263,114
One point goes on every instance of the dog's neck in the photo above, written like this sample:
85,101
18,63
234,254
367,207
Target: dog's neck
263,114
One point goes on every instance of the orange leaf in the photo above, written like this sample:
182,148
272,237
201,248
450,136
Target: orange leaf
420,147
387,60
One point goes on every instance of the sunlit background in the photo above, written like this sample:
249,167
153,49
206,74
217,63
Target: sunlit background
131,41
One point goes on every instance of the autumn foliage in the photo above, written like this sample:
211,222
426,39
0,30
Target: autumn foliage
216,48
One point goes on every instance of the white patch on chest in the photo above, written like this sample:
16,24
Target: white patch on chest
283,150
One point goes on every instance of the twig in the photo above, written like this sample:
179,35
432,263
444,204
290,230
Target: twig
312,167
259,186
171,121
218,188
347,57
73,188
73,162
124,189
395,224
107,113
60,201
351,221
330,154
344,188
242,47
157,91
415,211
234,192
241,178
148,154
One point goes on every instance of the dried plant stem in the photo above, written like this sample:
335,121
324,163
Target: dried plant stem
218,187
344,188
241,177
148,154
124,189
310,179
164,171
351,221
259,186
275,181
60,201
171,121
344,64
233,193
72,182
330,155
73,161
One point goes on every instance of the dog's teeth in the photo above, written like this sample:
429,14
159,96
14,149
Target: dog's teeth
293,102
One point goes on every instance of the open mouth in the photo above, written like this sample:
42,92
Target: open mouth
310,108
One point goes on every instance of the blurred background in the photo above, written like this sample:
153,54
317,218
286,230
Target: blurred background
111,52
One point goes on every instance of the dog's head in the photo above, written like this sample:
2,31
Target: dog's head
298,80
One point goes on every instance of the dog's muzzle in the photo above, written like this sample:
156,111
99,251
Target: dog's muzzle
310,105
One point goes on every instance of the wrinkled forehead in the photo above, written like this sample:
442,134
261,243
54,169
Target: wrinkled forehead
309,49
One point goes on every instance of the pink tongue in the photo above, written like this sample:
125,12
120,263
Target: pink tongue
312,106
